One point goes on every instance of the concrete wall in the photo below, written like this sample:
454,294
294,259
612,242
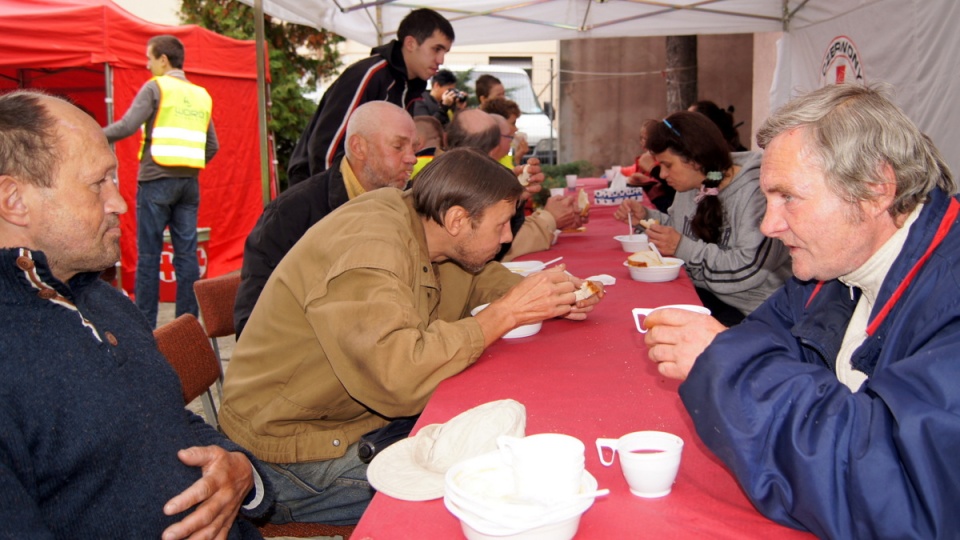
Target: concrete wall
608,87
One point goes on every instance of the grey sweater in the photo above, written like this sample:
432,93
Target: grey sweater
745,267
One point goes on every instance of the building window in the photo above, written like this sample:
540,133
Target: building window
523,62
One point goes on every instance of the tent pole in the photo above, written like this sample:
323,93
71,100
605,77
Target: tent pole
262,102
108,91
554,150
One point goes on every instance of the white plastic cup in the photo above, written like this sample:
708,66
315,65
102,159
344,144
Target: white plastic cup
640,314
556,192
649,460
571,181
546,466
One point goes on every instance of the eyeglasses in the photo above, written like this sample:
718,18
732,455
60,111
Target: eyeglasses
670,126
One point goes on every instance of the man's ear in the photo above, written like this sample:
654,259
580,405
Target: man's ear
883,194
456,220
13,207
358,147
410,43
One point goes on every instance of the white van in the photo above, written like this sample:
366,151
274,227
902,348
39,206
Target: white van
533,121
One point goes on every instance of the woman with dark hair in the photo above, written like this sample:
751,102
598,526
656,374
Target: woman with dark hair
714,222
645,173
723,118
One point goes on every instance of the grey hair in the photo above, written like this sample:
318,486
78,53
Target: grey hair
854,131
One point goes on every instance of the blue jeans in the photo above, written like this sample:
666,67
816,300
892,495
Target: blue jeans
161,203
335,491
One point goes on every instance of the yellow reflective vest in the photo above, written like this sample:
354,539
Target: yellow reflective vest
179,134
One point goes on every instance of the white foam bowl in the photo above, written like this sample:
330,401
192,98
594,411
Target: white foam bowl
526,330
524,268
656,274
478,493
632,243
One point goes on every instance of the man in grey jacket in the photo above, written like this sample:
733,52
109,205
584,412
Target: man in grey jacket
178,141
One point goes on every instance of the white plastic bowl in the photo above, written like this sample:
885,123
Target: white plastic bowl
478,493
632,243
524,268
526,330
657,274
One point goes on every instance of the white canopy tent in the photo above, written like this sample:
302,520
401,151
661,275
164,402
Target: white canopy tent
910,44
490,21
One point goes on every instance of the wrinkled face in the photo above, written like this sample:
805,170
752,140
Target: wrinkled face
78,219
681,175
390,154
481,242
827,236
154,64
423,59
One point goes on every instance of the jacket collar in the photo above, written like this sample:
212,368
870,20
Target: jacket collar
831,304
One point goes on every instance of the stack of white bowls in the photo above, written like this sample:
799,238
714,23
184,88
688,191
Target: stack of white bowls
480,492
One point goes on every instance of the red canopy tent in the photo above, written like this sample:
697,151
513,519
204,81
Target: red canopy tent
92,50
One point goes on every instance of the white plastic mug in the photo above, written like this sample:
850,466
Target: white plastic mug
640,314
649,460
546,466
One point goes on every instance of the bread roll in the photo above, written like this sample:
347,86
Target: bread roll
586,290
524,177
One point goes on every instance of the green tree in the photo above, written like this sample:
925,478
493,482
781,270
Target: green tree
299,56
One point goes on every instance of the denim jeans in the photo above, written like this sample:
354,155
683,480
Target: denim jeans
335,491
161,203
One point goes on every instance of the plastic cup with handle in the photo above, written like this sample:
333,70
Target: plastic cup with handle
571,181
640,314
546,466
649,460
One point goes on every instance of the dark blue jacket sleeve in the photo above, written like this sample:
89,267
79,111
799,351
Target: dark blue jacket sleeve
882,462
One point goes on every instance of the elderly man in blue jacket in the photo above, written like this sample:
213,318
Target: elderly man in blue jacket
837,403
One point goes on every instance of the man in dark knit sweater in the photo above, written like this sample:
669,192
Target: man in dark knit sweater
96,441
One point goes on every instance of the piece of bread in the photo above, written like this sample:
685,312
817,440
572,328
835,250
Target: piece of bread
646,223
642,259
586,290
583,202
524,177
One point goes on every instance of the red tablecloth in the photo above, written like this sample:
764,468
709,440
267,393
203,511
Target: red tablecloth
592,379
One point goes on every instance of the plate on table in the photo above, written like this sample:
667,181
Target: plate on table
524,268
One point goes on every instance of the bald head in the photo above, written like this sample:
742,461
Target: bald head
475,129
372,117
380,145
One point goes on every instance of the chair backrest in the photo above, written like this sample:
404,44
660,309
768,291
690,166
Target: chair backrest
216,298
188,350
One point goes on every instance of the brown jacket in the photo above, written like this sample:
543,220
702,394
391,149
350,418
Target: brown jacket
351,329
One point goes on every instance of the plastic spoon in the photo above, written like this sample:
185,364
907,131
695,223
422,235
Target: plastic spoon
653,248
546,264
